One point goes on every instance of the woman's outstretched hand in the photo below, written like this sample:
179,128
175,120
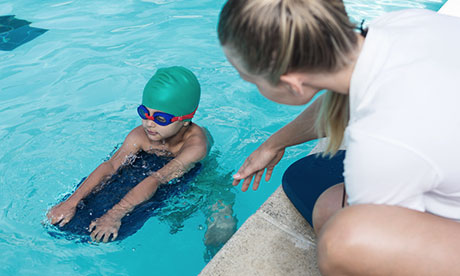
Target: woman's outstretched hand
61,213
254,166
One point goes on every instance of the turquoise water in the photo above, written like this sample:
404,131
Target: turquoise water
68,98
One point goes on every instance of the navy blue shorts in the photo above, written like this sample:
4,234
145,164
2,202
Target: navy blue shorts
306,179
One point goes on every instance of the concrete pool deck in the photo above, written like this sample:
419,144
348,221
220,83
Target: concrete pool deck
276,239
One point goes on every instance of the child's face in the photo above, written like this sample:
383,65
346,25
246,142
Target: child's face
156,132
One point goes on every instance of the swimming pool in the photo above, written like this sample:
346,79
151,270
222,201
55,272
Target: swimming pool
69,97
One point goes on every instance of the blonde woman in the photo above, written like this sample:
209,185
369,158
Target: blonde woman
393,96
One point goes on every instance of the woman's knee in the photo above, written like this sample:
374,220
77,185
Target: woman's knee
384,240
342,239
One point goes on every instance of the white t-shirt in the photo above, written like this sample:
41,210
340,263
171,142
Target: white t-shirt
403,139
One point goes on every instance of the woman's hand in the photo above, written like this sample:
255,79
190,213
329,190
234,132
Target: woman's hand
61,213
103,227
254,166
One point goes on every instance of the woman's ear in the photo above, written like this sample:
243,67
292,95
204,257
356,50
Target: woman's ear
293,81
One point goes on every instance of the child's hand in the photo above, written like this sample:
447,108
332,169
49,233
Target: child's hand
103,227
61,213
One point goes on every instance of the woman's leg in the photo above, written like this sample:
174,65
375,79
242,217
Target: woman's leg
388,240
328,203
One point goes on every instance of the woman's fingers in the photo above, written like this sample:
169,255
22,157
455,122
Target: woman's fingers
248,174
254,167
236,182
240,175
250,166
246,183
268,174
243,172
257,179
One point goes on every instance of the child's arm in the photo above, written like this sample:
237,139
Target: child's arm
193,150
64,211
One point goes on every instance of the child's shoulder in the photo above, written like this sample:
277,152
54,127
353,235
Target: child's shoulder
195,129
137,135
198,132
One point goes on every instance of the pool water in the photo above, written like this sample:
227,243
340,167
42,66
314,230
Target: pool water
69,97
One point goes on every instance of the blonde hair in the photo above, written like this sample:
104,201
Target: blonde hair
275,37
332,120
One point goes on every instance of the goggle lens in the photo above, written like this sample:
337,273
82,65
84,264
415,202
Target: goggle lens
163,119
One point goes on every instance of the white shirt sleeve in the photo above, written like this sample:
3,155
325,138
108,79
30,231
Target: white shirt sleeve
380,171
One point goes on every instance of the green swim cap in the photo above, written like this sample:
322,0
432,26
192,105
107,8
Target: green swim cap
174,90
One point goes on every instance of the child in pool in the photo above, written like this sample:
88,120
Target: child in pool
169,101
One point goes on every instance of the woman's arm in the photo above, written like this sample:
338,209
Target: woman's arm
300,130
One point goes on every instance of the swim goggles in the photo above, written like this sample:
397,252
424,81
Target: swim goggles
161,118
